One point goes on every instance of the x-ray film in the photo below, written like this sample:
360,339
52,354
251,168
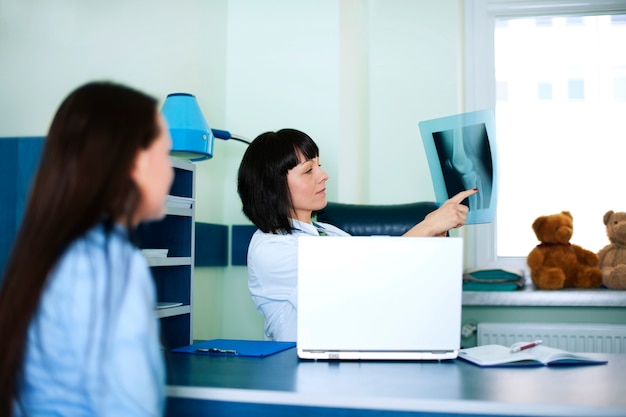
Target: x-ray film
461,153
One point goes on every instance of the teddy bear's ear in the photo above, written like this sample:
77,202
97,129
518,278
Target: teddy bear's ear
539,221
568,214
607,216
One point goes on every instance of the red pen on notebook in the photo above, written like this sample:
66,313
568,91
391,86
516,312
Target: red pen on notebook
519,348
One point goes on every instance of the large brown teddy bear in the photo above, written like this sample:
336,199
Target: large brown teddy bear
613,256
556,263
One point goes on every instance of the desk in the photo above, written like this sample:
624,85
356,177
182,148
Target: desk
283,385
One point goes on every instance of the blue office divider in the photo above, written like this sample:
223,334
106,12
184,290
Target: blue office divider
211,244
241,235
19,158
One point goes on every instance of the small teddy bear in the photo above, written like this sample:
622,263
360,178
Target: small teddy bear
612,257
556,263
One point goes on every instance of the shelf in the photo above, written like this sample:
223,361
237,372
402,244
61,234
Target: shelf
179,211
169,261
173,311
174,233
173,274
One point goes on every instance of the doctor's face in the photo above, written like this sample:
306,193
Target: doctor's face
307,187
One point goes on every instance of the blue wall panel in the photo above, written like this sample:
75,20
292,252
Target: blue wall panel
211,244
19,158
241,235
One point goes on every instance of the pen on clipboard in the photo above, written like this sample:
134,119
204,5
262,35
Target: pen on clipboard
216,350
529,345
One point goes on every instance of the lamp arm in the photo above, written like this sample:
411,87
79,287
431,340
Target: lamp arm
240,139
226,135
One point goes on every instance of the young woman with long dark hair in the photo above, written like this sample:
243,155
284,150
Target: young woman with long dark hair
78,331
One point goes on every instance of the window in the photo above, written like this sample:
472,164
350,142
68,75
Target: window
502,90
618,19
544,90
576,89
559,122
543,21
574,21
619,88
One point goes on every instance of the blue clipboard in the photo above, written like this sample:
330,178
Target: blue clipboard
232,347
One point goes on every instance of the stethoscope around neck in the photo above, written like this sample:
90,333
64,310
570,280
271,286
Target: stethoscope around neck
320,230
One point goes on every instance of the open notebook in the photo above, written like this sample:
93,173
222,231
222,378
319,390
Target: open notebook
379,298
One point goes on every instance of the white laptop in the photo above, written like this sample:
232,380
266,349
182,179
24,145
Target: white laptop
379,298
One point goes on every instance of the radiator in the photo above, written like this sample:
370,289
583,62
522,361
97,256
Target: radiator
584,337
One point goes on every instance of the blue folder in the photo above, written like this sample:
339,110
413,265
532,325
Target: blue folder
232,347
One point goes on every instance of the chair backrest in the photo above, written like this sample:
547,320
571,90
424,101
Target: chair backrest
371,219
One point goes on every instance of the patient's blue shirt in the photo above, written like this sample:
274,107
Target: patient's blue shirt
273,276
93,344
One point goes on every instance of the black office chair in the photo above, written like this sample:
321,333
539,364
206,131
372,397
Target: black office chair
371,219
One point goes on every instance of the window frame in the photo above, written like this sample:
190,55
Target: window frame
480,89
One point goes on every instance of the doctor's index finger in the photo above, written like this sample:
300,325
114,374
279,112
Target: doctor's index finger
463,195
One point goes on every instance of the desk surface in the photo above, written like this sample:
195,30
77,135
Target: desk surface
451,388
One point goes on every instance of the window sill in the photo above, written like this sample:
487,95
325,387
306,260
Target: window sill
530,296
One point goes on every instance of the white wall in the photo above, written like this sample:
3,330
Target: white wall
49,48
357,75
414,75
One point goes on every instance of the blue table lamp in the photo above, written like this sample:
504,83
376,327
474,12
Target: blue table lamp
191,135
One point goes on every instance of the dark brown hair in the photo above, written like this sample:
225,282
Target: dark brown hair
84,178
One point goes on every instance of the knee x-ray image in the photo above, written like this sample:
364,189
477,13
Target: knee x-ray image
461,155
465,158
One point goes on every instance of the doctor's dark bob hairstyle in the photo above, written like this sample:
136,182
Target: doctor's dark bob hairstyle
262,180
